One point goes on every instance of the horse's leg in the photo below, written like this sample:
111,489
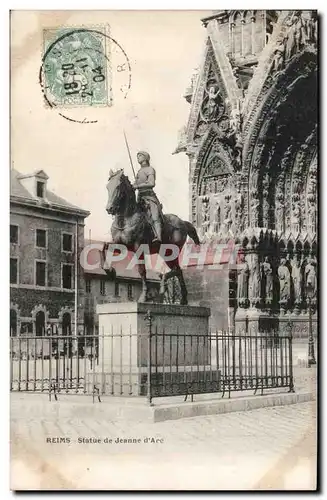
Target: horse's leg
180,275
142,272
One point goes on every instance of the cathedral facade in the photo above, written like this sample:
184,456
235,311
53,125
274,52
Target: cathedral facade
251,140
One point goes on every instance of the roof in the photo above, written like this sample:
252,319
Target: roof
52,200
124,269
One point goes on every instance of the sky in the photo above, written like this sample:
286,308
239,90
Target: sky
164,48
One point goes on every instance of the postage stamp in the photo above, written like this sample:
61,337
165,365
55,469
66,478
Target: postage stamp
76,67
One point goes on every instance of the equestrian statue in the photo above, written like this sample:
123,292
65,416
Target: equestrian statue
141,222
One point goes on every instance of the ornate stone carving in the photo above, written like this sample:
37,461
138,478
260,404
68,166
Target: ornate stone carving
199,132
311,277
242,282
279,206
255,203
296,217
217,219
255,282
268,285
213,106
297,279
265,196
215,176
302,31
284,284
205,215
239,206
279,58
312,199
235,121
227,215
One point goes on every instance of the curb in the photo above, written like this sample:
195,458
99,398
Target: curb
189,410
125,409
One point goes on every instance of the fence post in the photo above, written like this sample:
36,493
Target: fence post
148,319
290,357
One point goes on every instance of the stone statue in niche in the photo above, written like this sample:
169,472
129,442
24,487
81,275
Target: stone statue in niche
242,281
205,215
238,208
311,27
227,215
217,219
255,282
255,203
284,283
235,121
268,286
296,217
279,58
265,195
295,33
303,30
297,279
312,218
297,36
280,207
311,277
311,200
211,108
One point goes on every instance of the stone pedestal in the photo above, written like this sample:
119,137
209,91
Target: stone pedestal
254,321
124,348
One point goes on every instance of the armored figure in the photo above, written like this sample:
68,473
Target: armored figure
145,182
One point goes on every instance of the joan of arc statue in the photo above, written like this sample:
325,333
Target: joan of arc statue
145,182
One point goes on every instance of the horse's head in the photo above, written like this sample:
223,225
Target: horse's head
119,189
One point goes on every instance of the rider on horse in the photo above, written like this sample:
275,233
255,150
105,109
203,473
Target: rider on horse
145,182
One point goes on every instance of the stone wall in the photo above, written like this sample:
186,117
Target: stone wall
209,288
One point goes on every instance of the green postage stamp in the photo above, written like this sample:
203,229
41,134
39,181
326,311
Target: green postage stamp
76,67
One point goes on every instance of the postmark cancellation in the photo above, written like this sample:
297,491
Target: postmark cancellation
76,67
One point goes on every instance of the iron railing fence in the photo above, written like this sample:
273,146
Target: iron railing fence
54,363
195,364
151,363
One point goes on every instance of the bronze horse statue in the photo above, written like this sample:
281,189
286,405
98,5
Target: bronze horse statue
131,227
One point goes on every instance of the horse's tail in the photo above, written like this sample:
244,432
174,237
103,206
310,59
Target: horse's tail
191,231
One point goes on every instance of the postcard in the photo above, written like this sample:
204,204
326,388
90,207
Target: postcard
163,250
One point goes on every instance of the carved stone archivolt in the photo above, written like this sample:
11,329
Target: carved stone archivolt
253,164
312,198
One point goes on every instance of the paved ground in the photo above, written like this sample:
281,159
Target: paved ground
269,448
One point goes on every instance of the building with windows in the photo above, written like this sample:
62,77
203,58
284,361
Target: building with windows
120,285
46,236
251,142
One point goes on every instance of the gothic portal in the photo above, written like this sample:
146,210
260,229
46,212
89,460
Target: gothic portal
251,140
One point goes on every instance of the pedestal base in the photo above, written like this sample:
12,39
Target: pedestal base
178,342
